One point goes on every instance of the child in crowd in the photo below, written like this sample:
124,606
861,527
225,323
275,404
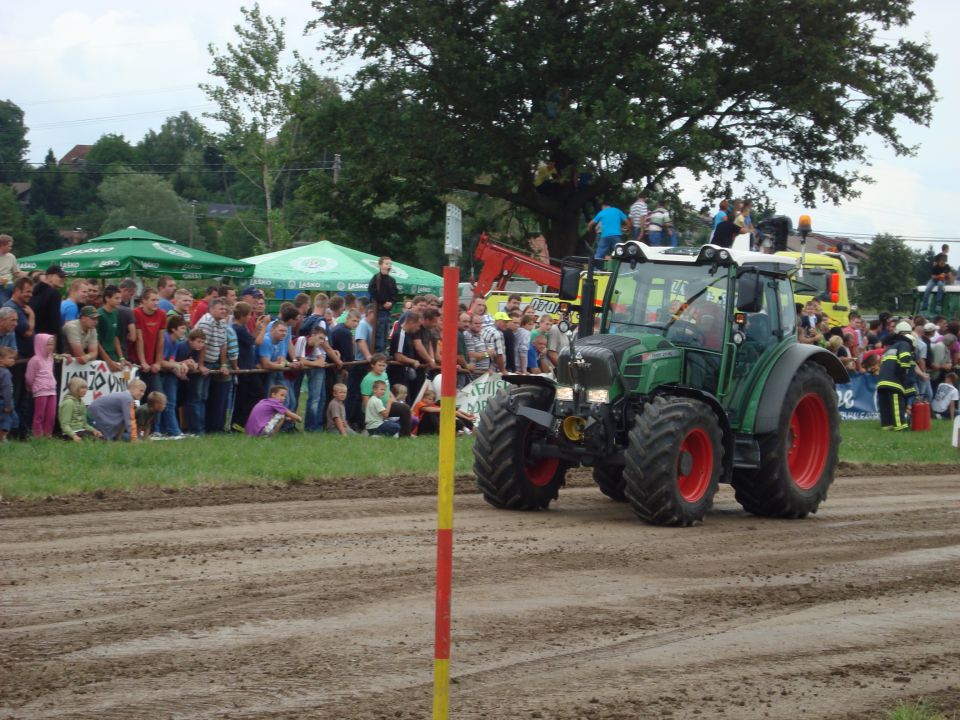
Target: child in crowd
174,375
311,355
377,412
8,417
42,383
428,411
268,415
944,403
73,413
113,414
400,396
337,412
150,413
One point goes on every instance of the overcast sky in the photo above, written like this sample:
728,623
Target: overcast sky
81,70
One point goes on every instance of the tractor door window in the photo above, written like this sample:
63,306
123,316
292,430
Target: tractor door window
788,310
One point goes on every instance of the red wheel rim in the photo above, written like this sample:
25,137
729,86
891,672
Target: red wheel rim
808,441
697,450
541,471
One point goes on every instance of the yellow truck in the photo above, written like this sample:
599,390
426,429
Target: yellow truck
825,279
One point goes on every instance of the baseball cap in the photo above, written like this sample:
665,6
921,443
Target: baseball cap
930,327
501,316
904,327
56,270
88,311
251,291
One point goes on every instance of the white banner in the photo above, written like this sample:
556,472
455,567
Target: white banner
473,398
100,380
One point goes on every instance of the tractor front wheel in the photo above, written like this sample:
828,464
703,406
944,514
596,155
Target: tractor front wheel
797,462
674,461
609,478
507,474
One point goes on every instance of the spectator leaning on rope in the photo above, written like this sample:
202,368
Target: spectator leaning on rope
80,336
214,327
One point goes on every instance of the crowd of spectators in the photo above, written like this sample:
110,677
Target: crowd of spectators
917,356
223,364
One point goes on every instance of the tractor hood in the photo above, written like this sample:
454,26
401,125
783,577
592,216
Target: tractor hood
594,361
623,363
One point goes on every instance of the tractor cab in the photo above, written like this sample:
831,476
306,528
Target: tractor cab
691,305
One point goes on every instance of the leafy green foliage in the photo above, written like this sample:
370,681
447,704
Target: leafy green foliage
471,96
253,100
887,273
44,231
149,202
13,142
13,222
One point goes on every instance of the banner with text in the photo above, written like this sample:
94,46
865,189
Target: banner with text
857,399
100,381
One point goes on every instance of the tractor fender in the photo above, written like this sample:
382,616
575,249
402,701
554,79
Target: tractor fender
536,380
725,428
775,389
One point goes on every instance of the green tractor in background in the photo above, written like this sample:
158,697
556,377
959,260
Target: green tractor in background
695,378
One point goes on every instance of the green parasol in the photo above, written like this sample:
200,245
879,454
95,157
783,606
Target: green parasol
327,266
136,252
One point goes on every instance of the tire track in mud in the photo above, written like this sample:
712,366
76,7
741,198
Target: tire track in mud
324,609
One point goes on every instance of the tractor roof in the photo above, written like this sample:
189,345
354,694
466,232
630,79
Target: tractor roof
684,254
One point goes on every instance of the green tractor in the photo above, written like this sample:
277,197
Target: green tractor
694,378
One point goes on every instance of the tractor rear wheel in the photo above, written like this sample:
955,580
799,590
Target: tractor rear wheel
609,478
674,461
797,462
507,475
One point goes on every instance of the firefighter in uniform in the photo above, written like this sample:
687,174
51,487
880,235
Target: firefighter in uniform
896,380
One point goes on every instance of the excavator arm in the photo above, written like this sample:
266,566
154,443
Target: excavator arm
500,263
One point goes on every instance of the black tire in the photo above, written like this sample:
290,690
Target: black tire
609,478
674,461
797,463
506,476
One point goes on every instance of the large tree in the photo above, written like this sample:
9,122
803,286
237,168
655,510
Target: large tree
252,92
13,142
887,273
149,202
472,95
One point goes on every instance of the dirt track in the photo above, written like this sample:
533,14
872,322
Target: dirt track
323,608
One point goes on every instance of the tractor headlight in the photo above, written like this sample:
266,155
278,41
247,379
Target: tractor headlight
598,395
564,393
618,251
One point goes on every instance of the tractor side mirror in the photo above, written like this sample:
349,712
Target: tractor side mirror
750,292
569,282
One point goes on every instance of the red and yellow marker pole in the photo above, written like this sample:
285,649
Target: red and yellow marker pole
448,408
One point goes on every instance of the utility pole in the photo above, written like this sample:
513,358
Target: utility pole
193,219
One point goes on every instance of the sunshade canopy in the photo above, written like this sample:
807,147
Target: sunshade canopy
326,266
137,252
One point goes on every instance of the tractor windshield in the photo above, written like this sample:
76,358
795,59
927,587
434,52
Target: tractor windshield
682,302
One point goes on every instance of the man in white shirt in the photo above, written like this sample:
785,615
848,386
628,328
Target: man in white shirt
638,217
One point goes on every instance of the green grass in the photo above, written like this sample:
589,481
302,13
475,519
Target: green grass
865,442
40,468
919,710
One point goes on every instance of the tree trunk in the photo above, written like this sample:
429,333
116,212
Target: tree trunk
563,234
268,204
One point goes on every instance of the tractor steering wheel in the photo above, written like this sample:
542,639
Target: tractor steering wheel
686,331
